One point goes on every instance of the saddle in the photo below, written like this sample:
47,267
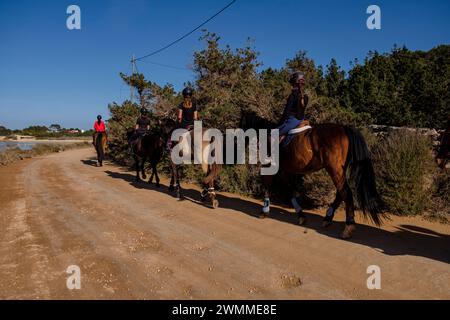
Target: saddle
301,128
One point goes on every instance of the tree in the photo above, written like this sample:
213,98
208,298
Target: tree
227,82
334,80
55,127
140,84
4,131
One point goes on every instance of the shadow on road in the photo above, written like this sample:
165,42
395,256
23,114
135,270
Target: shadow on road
90,162
406,240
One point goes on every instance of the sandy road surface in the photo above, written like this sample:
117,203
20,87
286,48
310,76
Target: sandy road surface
135,241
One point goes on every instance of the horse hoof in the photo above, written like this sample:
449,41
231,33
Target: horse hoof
326,224
157,185
171,188
348,231
301,221
144,176
262,215
215,203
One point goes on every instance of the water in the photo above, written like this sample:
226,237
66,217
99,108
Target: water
28,145
13,144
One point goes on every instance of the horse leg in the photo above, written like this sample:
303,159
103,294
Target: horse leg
267,184
345,193
327,221
204,193
349,214
156,175
212,195
136,160
178,186
298,209
172,176
144,176
292,182
150,180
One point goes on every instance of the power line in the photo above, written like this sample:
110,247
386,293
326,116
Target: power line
187,34
167,66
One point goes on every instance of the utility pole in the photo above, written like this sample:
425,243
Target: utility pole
133,62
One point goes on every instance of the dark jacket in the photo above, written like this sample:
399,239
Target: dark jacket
294,107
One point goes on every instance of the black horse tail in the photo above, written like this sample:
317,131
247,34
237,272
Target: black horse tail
362,177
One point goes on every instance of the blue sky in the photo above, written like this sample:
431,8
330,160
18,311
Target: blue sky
49,74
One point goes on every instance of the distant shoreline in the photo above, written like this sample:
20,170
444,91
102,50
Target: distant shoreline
38,140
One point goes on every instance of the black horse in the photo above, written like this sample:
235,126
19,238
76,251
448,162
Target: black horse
149,147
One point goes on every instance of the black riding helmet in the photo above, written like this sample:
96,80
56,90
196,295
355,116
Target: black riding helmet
297,78
187,92
99,117
143,111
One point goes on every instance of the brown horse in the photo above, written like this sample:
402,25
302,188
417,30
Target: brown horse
148,147
334,148
100,144
209,170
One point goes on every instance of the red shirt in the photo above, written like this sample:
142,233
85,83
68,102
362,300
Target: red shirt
99,127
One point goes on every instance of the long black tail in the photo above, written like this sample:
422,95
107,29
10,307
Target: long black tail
362,177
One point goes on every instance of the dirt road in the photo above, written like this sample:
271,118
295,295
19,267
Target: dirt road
134,241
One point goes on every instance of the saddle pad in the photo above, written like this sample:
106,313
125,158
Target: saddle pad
299,130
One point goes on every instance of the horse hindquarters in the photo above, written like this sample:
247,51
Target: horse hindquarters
99,148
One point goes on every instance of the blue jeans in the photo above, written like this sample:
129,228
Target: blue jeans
289,124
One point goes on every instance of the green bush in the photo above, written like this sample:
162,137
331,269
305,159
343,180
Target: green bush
403,161
441,196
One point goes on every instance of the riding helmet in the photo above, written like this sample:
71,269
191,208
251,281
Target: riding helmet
187,92
99,117
143,110
297,77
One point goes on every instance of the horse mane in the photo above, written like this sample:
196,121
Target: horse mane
250,120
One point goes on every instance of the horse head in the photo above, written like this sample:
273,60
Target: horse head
250,120
130,132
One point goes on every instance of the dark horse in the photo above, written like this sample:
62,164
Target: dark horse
100,139
334,148
209,170
443,154
148,147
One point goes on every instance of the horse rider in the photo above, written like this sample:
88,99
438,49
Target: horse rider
294,112
99,127
141,128
187,112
